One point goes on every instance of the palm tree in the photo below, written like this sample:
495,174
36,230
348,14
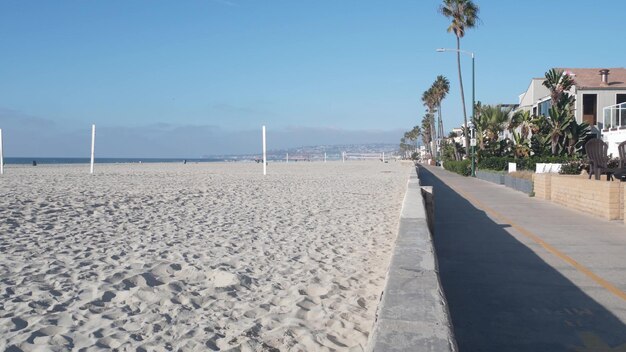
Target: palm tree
464,15
441,88
408,143
526,122
489,123
415,133
497,118
404,146
426,132
430,101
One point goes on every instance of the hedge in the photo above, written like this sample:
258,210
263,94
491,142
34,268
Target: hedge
502,163
463,167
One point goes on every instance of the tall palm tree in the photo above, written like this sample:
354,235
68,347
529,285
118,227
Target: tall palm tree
441,88
408,142
415,134
426,132
464,15
429,99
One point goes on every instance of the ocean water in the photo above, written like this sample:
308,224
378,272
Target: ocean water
29,161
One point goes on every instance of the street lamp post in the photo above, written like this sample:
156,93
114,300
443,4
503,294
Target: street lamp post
470,53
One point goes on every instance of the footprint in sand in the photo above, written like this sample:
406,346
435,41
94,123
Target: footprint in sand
19,323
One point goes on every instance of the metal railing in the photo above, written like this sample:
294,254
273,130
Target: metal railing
614,116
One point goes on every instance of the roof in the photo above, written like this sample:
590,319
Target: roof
589,78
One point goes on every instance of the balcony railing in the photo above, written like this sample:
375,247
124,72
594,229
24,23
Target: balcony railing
614,117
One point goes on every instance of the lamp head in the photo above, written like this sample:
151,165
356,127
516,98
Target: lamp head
440,50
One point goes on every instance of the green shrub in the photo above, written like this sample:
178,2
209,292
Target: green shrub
531,163
494,163
462,167
573,167
502,163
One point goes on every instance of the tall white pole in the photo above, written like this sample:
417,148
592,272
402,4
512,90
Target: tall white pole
1,155
383,157
287,158
93,144
264,154
343,157
324,157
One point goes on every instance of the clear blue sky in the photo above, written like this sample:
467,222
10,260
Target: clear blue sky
187,78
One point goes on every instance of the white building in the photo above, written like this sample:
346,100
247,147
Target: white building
600,101
459,134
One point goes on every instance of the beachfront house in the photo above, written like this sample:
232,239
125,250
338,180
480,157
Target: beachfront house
600,101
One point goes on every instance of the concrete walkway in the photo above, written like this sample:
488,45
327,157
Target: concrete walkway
522,274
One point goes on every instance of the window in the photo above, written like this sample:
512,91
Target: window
544,108
589,104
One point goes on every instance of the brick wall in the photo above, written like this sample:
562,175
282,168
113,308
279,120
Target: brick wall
542,185
600,198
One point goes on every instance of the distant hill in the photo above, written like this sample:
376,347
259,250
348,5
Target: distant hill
316,152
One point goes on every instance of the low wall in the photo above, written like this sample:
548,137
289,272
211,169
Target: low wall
541,185
413,313
623,205
599,198
519,184
491,176
429,204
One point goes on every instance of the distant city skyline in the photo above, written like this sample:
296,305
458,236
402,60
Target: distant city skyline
184,79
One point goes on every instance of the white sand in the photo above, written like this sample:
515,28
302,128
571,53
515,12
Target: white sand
195,257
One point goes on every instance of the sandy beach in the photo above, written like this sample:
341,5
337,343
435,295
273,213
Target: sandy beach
213,256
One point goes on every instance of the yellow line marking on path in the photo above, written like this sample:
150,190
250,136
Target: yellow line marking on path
581,268
594,343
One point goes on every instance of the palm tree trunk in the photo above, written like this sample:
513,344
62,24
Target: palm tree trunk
458,62
440,125
433,137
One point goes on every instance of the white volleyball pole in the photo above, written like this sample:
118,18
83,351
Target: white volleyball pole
93,144
287,158
324,157
1,155
343,157
264,154
383,157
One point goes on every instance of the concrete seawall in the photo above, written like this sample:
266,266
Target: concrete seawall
413,313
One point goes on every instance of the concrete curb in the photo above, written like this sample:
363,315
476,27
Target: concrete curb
413,313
